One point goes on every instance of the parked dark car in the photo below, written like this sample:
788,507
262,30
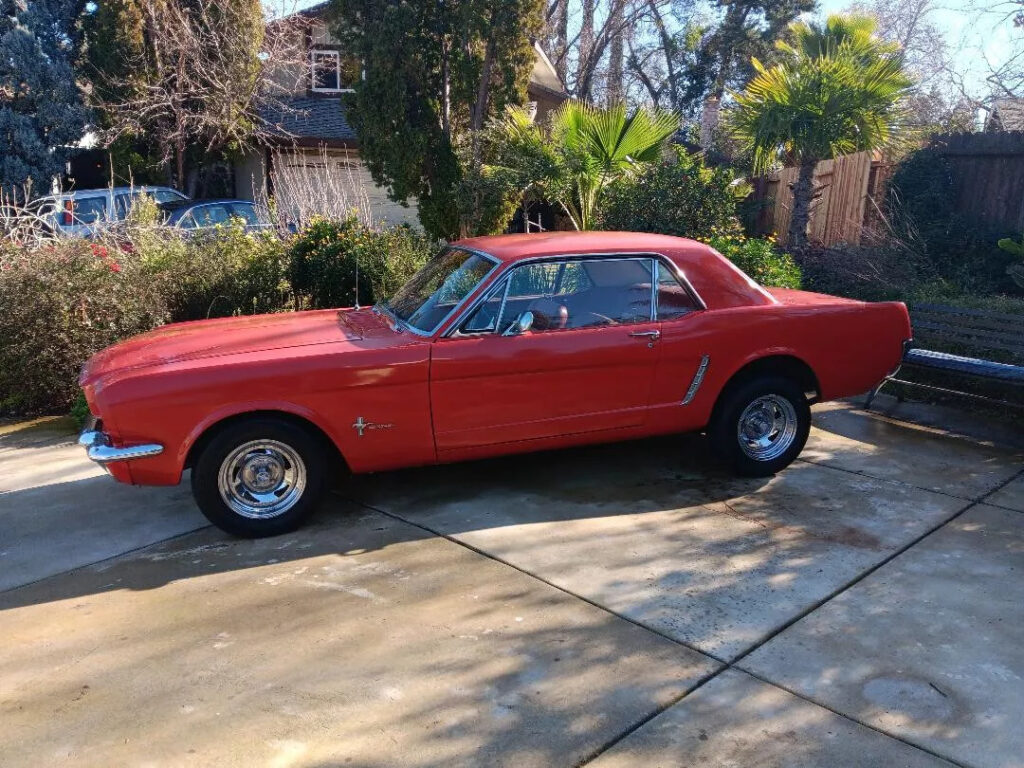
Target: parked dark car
198,215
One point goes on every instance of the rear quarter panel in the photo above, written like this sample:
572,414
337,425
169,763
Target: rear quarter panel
850,346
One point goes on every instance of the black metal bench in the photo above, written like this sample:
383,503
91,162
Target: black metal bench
967,329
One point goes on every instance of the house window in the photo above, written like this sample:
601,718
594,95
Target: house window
332,72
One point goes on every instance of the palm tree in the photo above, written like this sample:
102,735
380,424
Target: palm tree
837,90
586,149
600,146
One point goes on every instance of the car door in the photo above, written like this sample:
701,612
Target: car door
586,364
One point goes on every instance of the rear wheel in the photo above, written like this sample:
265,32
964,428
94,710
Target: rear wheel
259,477
761,425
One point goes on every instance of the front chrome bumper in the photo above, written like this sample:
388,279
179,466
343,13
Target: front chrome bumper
99,449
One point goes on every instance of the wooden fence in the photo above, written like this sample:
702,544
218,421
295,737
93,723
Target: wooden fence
846,188
987,174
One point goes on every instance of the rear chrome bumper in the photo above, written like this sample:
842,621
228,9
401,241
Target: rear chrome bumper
99,449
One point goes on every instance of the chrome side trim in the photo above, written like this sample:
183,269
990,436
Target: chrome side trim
654,289
98,448
698,379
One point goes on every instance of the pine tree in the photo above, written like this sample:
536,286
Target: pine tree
436,71
42,117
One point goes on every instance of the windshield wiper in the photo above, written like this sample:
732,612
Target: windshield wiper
382,308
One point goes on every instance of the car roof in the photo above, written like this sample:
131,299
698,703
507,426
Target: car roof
102,191
173,205
719,283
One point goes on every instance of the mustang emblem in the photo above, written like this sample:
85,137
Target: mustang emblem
361,425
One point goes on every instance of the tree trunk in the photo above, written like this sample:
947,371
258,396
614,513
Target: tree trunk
803,196
446,90
615,53
735,20
561,51
179,155
585,66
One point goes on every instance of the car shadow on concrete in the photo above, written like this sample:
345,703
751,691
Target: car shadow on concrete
656,530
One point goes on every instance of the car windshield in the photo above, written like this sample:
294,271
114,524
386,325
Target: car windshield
430,296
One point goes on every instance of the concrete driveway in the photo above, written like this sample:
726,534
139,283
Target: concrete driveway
627,605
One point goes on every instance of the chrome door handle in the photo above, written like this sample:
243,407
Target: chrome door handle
652,335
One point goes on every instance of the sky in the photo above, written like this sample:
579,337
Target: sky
967,32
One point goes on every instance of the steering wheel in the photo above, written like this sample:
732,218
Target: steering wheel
602,319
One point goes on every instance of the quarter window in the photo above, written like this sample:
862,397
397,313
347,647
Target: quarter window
674,300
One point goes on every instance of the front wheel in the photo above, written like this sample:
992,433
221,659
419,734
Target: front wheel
760,426
259,477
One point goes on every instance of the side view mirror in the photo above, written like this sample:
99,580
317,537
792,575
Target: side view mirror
520,325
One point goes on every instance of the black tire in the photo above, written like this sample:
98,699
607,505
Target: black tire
285,446
724,429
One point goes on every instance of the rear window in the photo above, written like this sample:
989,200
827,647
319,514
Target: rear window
166,195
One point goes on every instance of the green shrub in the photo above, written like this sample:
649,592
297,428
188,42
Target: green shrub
1016,270
871,273
219,274
326,257
682,197
63,302
759,258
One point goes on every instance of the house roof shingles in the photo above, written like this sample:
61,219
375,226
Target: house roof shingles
308,117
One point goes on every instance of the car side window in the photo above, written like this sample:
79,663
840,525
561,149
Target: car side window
211,215
570,294
245,212
187,221
674,301
122,204
89,210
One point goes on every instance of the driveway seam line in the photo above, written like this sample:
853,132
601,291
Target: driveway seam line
632,727
133,551
541,579
904,483
844,716
636,726
852,583
736,663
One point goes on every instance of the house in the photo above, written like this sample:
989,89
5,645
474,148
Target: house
1006,115
315,165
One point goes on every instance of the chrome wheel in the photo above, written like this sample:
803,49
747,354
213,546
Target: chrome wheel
767,428
262,479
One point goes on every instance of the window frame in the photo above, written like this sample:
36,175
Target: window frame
505,279
460,309
336,54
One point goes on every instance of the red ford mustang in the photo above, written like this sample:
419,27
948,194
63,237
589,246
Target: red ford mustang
499,345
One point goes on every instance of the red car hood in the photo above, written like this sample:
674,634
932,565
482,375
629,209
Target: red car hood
235,335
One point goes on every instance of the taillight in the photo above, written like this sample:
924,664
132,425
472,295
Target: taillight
69,213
